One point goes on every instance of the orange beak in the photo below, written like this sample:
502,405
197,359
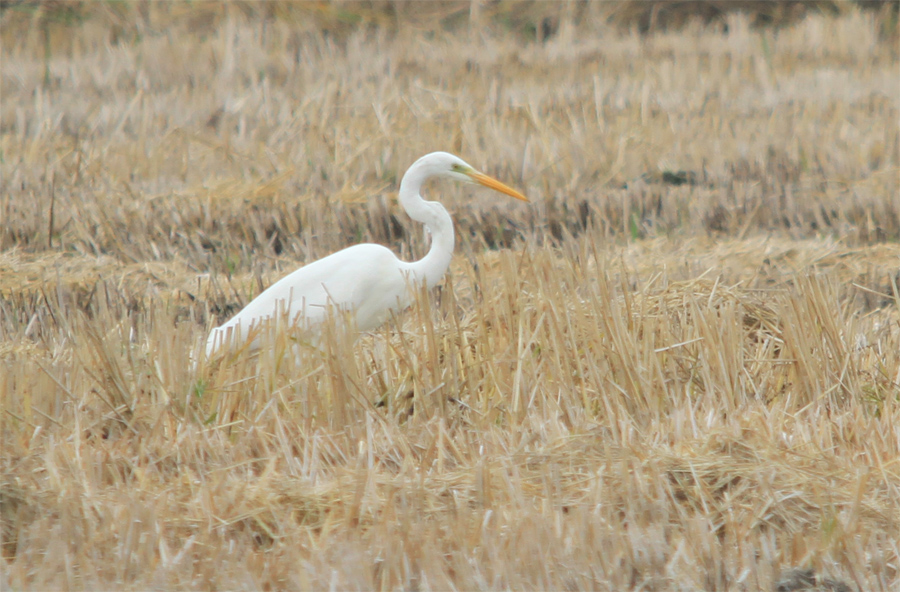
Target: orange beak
496,185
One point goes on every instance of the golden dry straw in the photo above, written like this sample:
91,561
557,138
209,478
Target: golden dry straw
679,369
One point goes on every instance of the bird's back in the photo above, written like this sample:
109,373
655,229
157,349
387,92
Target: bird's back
367,279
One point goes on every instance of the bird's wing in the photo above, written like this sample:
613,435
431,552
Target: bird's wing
363,278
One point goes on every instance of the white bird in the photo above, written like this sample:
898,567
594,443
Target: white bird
367,280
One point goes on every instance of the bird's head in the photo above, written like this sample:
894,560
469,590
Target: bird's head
443,164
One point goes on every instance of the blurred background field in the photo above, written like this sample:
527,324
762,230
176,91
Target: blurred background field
678,368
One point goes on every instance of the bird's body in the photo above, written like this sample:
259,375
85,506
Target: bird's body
304,296
366,280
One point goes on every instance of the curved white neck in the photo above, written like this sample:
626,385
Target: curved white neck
431,268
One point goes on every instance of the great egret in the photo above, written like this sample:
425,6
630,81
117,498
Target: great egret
367,280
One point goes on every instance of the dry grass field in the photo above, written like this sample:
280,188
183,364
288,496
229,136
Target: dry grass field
677,368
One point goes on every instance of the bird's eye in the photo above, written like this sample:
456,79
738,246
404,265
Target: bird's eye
456,168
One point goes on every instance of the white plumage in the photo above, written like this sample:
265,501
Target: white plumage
367,280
